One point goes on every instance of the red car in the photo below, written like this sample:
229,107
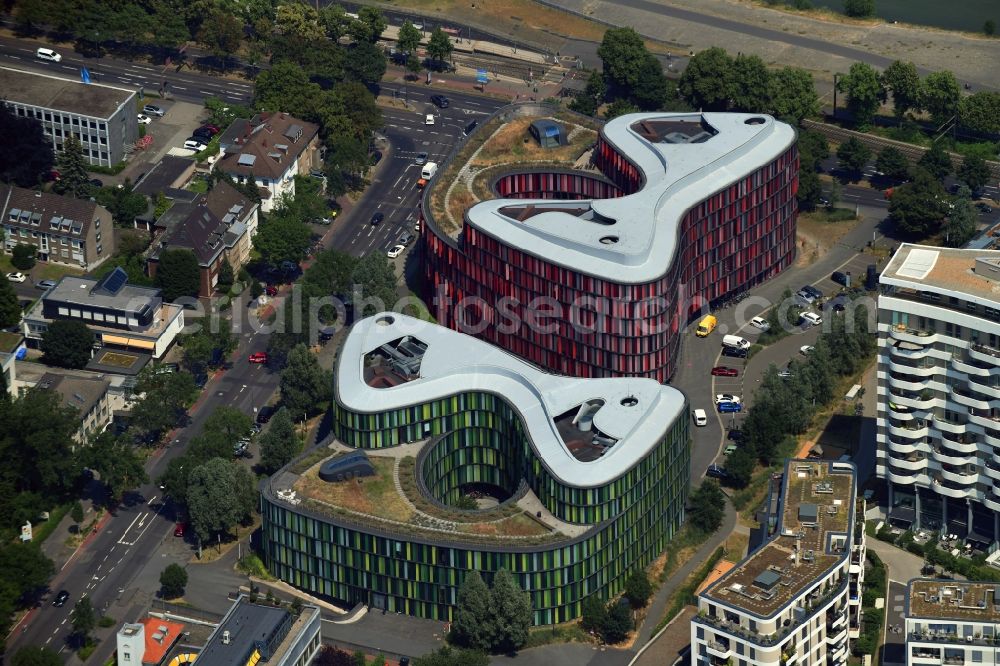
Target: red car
258,357
179,529
271,290
723,371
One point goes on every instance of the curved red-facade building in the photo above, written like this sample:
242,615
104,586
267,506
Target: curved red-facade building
594,273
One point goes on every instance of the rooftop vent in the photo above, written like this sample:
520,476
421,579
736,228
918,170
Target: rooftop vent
246,160
767,580
293,132
275,156
283,147
808,513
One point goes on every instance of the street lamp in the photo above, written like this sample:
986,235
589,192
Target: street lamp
835,95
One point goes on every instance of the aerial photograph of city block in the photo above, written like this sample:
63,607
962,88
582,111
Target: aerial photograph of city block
500,332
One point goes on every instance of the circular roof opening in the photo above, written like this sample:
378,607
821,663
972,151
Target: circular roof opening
630,401
756,120
609,240
385,321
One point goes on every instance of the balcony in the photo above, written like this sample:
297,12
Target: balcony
914,352
942,485
973,370
992,470
912,463
925,399
836,636
720,650
913,335
918,369
944,425
914,431
903,479
951,457
985,355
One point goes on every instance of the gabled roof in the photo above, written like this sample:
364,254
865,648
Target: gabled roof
80,393
266,145
38,210
224,200
199,231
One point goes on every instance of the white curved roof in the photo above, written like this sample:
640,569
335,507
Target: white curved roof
677,177
455,362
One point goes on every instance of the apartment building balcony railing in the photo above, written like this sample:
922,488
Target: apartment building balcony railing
913,335
984,354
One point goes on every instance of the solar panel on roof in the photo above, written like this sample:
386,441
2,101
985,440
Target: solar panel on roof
113,281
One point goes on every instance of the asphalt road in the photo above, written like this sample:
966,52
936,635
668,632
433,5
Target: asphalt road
186,85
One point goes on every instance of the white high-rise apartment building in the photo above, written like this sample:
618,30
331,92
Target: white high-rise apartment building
938,398
795,600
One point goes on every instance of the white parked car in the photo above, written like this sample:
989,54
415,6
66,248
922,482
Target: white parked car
396,251
726,397
700,417
806,349
811,319
16,277
761,323
143,119
429,120
196,146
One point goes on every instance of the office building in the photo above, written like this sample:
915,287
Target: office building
103,117
269,150
794,599
63,229
938,374
953,623
578,482
120,314
682,210
253,633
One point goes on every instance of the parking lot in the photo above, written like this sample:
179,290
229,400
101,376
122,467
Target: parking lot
170,131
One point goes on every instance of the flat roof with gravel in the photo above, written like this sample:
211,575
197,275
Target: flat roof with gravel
953,600
86,99
946,270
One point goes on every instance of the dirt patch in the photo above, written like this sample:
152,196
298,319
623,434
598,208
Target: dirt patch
514,143
736,546
374,495
817,232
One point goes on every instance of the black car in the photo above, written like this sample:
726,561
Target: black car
841,278
377,218
735,352
202,134
984,208
61,599
440,101
376,157
471,126
871,278
735,434
812,291
265,413
325,336
717,472
96,182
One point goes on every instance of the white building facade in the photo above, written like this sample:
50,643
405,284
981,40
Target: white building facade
954,623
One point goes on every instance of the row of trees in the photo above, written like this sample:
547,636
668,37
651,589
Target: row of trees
938,94
715,81
612,621
491,620
783,407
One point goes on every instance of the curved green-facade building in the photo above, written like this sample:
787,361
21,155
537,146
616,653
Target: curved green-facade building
591,476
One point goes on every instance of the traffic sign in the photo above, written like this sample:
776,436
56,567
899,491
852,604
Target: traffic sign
482,76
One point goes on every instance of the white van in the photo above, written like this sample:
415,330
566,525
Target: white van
48,54
429,170
700,417
735,341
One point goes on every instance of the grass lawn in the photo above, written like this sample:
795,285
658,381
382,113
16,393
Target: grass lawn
54,271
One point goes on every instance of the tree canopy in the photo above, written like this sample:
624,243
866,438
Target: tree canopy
859,8
980,112
707,82
279,444
72,167
903,81
893,163
974,172
853,156
35,656
304,385
409,38
960,225
439,46
473,618
173,580
27,155
10,307
940,94
865,92
67,343
117,463
511,613
178,274
936,161
220,494
707,507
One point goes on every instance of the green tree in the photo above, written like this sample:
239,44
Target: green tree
222,33
974,172
936,161
335,20
960,225
27,154
414,66
449,656
178,274
619,107
650,90
332,656
365,62
989,27
173,580
84,620
810,190
903,81
980,112
813,149
473,623
594,614
859,8
118,464
792,95
280,444
165,399
439,46
299,20
853,156
67,344
917,208
369,25
35,656
123,202
707,507
409,38
76,513
72,167
893,163
24,256
282,237
587,101
226,277
740,467
940,94
865,92
707,82
220,494
511,609
638,589
206,348
304,384
10,307
618,624
751,84
229,424
623,54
